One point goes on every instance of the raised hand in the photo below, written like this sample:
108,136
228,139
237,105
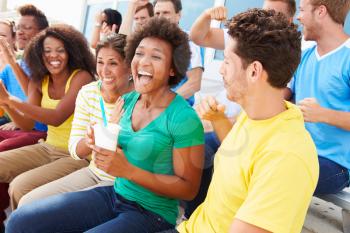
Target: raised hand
6,52
217,13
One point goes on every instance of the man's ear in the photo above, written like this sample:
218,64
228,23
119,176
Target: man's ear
255,70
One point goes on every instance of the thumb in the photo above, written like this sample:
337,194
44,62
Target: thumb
221,108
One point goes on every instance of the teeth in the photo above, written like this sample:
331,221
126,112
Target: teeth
55,63
141,72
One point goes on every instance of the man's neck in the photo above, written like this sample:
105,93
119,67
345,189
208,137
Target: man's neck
264,105
331,39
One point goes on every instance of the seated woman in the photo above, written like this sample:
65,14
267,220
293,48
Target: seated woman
114,81
159,158
61,63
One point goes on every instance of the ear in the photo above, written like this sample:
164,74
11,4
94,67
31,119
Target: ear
322,11
178,15
172,72
255,70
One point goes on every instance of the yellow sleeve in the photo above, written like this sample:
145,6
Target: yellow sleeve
279,192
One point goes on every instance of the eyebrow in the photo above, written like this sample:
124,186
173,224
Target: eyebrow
156,49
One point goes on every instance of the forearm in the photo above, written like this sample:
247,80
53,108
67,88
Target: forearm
222,127
37,113
336,118
171,186
126,26
21,77
20,121
82,150
188,89
95,36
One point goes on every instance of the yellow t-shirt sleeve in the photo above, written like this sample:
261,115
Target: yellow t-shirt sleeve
279,193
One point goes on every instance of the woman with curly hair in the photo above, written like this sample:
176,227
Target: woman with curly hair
159,157
61,63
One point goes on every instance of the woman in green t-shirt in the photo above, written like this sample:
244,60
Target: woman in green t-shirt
160,153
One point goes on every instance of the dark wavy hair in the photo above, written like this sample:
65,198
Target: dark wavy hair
148,6
267,37
39,16
114,41
163,29
113,17
79,54
176,3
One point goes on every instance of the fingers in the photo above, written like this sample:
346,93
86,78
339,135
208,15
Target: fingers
89,136
218,13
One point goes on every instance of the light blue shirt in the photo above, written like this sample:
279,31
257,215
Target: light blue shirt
14,88
326,78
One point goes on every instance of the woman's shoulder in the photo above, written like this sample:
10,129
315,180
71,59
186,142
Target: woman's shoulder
130,97
180,110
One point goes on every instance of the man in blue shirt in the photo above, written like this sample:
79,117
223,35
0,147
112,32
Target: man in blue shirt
321,87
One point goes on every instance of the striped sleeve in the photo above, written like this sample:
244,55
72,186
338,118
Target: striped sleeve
80,122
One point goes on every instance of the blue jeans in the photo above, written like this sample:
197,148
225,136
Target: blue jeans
333,177
96,210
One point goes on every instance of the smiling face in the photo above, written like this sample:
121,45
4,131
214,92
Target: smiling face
27,28
141,17
55,56
151,65
6,32
307,20
167,10
234,76
112,70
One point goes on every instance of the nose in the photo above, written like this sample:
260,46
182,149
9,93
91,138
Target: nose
105,70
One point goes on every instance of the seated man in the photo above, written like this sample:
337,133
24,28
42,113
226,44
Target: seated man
321,86
266,169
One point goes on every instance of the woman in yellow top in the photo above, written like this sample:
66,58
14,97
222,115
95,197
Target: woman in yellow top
60,63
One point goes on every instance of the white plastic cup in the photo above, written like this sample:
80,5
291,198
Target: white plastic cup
107,137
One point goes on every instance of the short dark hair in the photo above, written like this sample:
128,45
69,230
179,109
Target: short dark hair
115,41
177,4
267,37
79,54
113,17
292,8
39,16
147,6
165,30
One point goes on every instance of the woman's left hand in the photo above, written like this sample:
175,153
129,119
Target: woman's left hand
113,163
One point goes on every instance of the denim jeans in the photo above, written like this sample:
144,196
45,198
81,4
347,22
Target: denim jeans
333,177
95,210
212,144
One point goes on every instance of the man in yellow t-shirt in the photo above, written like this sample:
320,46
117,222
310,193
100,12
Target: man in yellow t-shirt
266,169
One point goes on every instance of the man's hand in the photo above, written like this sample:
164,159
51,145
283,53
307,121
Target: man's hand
209,109
311,110
217,13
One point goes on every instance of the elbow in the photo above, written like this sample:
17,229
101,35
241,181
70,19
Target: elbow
190,194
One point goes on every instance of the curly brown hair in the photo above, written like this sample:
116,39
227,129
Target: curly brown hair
267,37
163,29
31,10
115,41
79,54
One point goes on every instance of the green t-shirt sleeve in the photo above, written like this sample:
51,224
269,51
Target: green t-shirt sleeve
186,128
